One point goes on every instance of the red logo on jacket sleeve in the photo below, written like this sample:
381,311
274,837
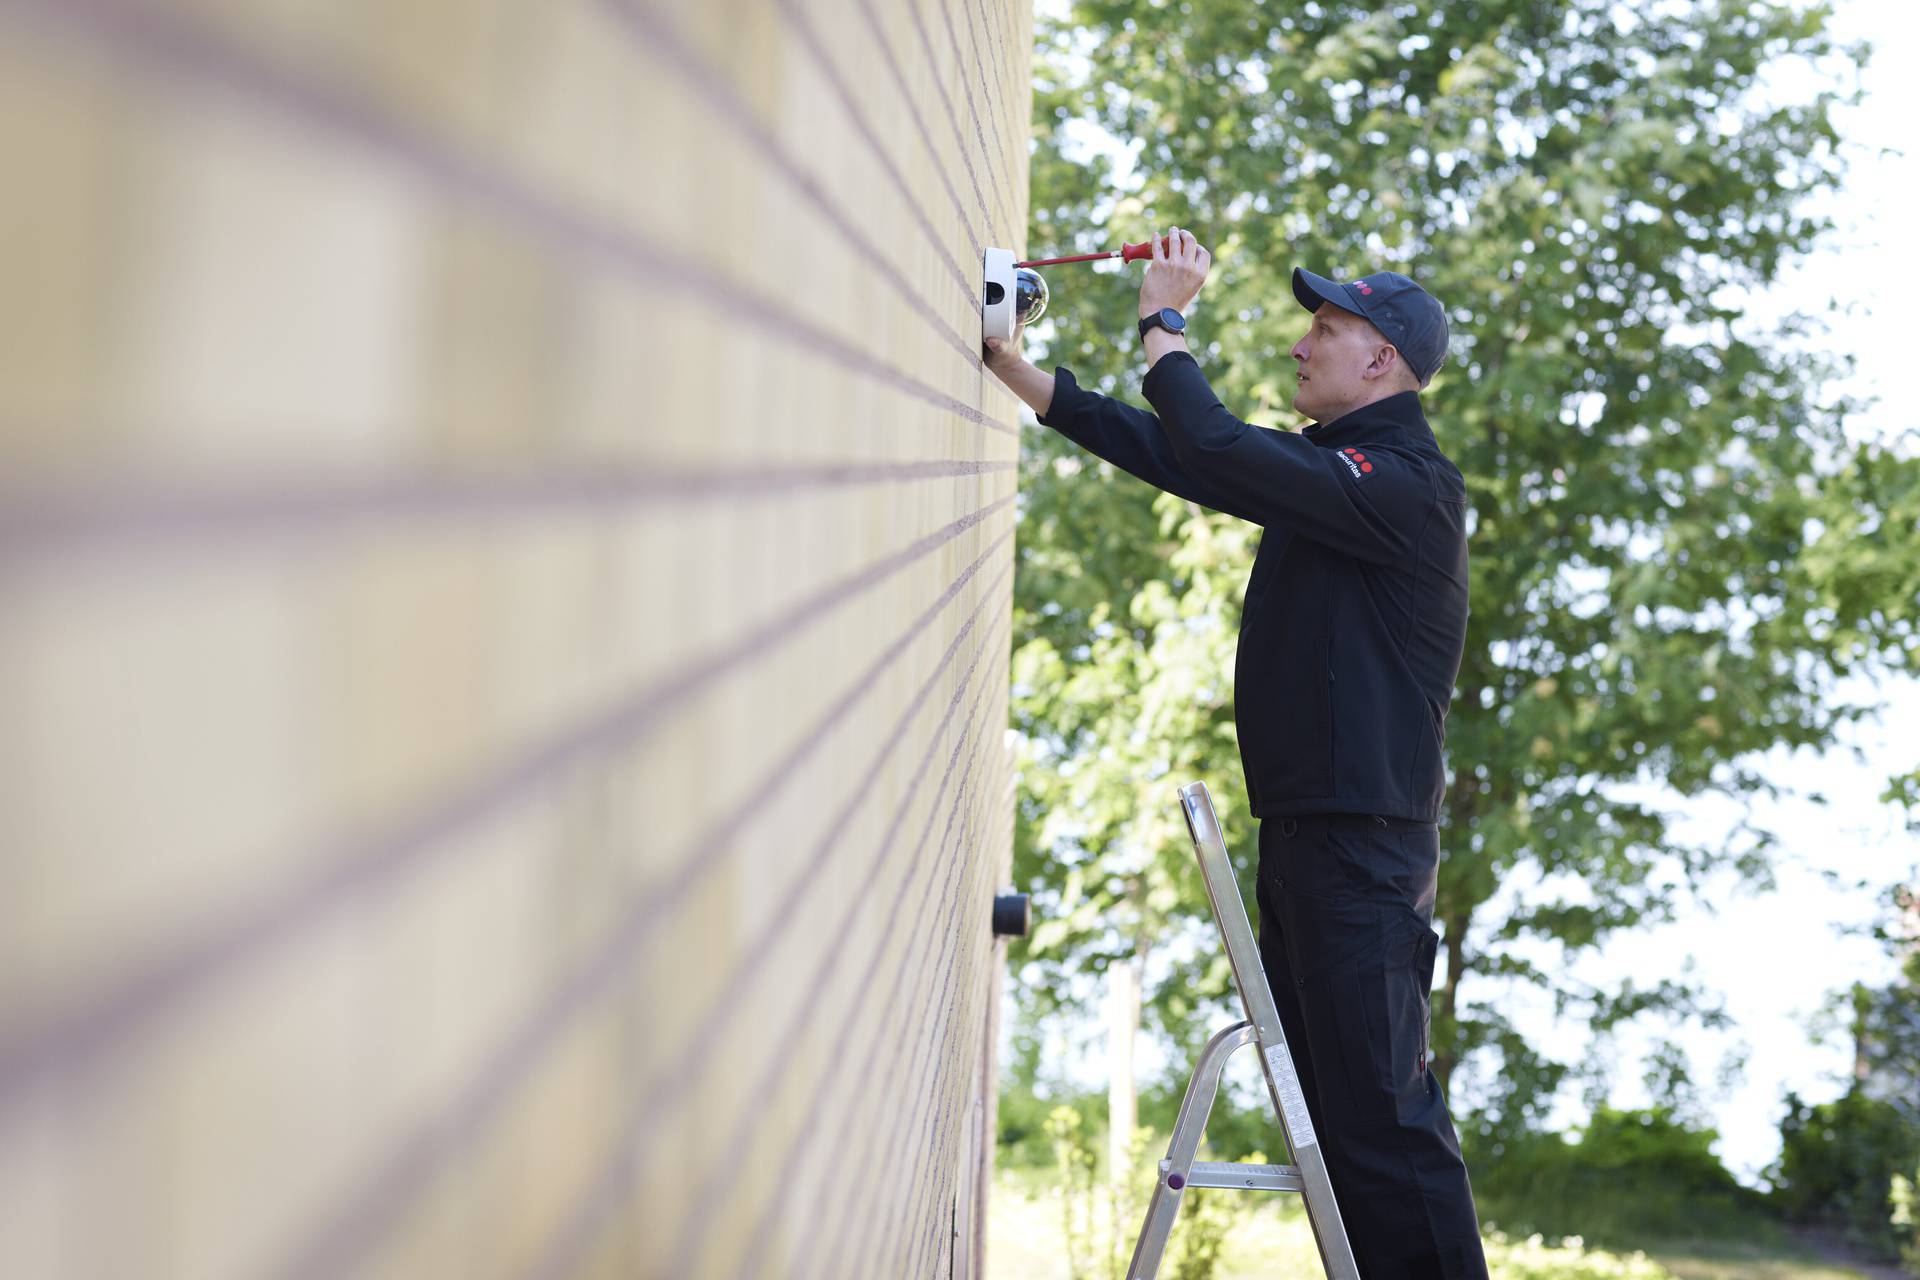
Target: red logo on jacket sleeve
1356,462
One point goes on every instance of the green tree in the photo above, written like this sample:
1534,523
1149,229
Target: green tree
1665,510
1865,561
1109,730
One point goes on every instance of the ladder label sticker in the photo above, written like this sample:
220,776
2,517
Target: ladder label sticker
1293,1103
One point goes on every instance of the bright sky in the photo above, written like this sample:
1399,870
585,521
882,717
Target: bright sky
1774,958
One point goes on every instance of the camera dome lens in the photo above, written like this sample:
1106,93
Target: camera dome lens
1029,295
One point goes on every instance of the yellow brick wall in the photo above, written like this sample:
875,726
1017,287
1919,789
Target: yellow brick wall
505,552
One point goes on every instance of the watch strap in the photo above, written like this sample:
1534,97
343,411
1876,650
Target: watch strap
1157,321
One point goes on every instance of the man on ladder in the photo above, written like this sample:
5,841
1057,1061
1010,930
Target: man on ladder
1350,639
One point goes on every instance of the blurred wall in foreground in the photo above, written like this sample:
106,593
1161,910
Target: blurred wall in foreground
505,550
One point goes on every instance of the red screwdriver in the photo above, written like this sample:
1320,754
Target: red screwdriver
1126,253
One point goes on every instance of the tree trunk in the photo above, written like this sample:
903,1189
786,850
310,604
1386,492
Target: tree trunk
1461,806
1442,1059
1123,1028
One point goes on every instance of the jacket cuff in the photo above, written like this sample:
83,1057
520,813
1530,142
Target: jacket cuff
1068,396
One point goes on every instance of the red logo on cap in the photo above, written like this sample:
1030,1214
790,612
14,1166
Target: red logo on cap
1363,287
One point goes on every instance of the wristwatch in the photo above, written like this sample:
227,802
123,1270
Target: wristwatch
1165,318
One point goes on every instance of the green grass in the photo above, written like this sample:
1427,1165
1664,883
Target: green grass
1026,1240
1733,1260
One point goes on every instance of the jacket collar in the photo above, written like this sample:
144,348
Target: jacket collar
1399,412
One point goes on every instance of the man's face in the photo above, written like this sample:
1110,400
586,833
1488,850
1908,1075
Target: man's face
1339,350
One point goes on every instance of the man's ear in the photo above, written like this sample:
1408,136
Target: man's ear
1386,358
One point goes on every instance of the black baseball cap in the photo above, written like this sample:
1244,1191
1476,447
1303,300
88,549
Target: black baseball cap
1411,318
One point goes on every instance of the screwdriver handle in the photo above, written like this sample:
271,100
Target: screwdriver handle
1142,251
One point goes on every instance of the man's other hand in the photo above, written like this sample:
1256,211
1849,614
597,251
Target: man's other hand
1001,354
1174,277
1004,361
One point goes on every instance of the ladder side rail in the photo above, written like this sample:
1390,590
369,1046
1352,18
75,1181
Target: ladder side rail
1195,1106
1223,893
1323,1215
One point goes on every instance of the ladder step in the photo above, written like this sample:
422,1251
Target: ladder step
1241,1177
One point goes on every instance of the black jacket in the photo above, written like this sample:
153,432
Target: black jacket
1356,614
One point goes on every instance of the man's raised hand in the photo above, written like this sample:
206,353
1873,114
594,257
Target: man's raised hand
1174,277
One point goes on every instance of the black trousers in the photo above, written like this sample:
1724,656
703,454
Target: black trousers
1346,937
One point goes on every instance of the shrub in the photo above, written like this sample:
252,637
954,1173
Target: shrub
1630,1176
1837,1164
1906,1220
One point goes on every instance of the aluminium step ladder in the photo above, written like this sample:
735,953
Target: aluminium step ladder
1308,1172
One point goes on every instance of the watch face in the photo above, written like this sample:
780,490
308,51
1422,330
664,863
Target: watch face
1165,318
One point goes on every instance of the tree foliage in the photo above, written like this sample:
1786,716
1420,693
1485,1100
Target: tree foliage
1667,516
